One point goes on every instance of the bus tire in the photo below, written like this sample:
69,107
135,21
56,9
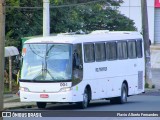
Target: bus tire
41,105
123,98
85,102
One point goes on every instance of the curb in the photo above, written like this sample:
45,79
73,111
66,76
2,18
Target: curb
7,96
9,100
21,105
151,90
155,47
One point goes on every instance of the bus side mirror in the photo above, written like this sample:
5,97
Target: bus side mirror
80,67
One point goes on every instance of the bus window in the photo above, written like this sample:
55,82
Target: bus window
122,50
139,48
100,53
89,52
77,64
132,49
77,56
111,51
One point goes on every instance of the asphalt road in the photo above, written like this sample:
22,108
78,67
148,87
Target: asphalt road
143,103
135,103
156,78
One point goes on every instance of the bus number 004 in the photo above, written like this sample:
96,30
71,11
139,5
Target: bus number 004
63,84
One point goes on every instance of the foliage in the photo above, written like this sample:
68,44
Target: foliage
146,85
153,86
24,18
23,22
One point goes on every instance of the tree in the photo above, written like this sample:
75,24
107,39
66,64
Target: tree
22,22
88,17
66,16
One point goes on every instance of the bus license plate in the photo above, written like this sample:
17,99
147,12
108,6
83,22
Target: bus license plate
44,95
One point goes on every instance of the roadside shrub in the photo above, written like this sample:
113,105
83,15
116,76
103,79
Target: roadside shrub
146,85
153,86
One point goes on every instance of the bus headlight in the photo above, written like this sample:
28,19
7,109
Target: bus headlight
25,89
65,89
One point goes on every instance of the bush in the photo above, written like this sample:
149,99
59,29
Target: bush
153,86
146,85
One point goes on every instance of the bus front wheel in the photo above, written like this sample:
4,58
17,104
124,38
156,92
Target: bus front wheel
41,104
85,102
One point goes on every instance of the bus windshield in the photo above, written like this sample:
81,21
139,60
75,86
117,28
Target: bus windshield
46,62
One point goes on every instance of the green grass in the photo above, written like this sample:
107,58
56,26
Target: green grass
6,88
14,87
147,86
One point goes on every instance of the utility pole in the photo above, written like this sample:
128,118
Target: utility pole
148,74
2,38
10,73
46,18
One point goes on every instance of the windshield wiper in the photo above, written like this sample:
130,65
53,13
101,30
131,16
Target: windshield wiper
35,52
44,69
43,73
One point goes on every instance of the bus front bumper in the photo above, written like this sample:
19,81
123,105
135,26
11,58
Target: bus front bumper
46,97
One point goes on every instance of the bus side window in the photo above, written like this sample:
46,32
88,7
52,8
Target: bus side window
89,55
100,53
132,49
122,50
77,56
76,59
77,64
139,48
111,51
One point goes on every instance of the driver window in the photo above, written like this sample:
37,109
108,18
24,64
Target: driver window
77,56
77,64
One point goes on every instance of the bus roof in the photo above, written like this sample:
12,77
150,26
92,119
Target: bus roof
92,37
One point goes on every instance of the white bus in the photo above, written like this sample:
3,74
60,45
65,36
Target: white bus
81,68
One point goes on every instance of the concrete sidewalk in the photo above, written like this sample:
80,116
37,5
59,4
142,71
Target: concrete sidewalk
155,56
156,78
12,101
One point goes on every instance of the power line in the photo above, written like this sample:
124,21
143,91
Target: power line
56,6
68,5
19,7
77,4
62,6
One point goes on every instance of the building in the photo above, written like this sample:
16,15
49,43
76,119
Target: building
132,9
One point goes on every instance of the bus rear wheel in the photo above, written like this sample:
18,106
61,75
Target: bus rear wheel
123,98
41,105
